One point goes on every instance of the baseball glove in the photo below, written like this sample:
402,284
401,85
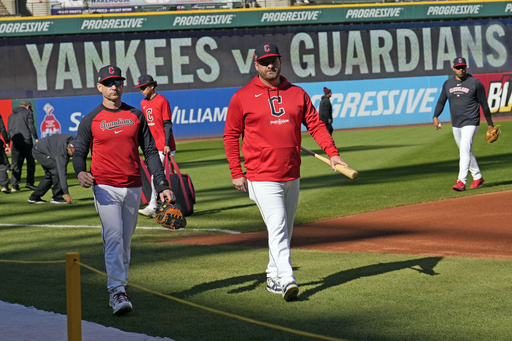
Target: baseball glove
492,135
169,215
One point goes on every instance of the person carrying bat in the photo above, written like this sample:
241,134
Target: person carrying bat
268,113
466,95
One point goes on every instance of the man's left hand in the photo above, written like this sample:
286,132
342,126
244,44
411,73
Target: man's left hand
167,194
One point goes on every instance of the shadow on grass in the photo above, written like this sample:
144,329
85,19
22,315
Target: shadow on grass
405,172
251,282
497,183
220,209
244,283
426,266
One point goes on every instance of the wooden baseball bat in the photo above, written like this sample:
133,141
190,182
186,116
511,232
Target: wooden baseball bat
347,171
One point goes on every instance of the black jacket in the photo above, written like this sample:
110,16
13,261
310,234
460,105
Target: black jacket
20,126
56,148
325,109
465,97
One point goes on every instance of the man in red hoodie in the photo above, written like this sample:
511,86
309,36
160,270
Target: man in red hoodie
268,113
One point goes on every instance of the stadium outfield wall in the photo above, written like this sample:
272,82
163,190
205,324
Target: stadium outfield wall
385,63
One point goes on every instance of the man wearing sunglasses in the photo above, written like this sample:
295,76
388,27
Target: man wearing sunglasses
268,114
157,110
466,95
113,132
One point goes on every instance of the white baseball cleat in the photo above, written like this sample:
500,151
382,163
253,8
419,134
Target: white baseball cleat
119,301
147,212
273,285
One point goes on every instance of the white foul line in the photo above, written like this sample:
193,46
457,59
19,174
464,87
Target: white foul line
138,227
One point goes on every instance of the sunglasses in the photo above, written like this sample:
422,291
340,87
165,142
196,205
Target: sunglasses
462,67
268,61
142,88
110,82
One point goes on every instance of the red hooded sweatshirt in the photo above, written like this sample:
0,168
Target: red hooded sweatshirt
269,121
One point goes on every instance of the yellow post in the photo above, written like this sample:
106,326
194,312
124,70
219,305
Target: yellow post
73,297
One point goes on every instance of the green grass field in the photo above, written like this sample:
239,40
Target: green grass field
351,296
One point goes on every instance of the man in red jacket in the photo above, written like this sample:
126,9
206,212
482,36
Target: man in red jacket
268,113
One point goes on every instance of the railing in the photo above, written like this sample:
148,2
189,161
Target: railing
45,8
74,299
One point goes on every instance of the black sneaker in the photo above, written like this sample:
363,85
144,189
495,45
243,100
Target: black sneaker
36,201
15,189
30,186
58,201
6,190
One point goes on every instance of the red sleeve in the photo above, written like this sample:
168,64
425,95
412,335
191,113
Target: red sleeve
166,110
232,132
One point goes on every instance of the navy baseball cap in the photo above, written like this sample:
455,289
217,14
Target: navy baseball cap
144,80
109,71
459,61
265,50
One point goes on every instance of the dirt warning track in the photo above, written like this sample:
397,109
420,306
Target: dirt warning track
474,226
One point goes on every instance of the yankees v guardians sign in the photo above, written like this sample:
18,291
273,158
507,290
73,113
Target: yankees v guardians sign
50,67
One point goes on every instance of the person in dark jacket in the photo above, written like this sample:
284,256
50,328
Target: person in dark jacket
4,161
53,153
466,95
325,109
21,130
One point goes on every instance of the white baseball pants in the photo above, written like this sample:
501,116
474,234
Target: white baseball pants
118,210
467,162
277,202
